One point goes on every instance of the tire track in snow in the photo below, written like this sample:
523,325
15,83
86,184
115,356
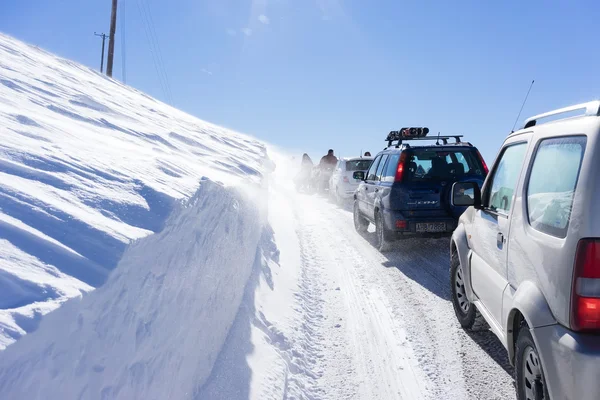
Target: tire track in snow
415,283
368,354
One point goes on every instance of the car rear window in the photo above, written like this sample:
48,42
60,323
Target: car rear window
434,164
358,165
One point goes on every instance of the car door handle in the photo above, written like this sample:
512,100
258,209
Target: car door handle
500,239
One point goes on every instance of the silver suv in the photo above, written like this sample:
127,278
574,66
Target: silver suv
525,258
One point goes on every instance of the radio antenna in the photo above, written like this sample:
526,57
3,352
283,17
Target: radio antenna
523,105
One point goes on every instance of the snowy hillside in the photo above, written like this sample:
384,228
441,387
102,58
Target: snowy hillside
86,166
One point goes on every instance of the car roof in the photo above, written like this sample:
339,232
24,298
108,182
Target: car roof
577,112
449,146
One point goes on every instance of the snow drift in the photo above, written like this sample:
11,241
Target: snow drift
87,165
157,326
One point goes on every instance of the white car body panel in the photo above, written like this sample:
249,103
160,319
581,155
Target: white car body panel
342,184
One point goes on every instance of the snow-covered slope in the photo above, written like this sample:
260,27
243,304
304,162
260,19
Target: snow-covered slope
86,166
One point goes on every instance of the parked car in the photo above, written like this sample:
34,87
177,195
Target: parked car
342,184
406,191
525,258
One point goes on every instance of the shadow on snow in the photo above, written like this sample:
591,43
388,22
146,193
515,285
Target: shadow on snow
231,375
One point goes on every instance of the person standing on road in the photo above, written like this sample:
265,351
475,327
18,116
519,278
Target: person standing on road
326,167
306,166
328,161
303,177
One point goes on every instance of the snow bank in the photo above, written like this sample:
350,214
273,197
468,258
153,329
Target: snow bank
271,350
156,328
88,165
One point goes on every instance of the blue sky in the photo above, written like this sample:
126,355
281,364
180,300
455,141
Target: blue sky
313,74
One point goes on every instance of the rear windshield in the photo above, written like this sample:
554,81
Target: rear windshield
435,164
358,165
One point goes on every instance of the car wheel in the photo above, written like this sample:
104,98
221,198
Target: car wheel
531,384
382,235
360,223
466,312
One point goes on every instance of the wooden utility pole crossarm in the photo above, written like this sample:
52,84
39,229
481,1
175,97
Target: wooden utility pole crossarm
111,39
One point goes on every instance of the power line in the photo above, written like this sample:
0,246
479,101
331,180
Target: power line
154,51
150,44
158,50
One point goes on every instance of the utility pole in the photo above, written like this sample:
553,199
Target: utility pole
111,39
103,36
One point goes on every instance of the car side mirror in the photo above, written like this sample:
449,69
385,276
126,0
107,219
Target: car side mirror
466,194
360,175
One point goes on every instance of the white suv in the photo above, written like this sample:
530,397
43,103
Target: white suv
526,257
342,183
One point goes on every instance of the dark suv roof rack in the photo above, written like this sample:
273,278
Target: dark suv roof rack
443,139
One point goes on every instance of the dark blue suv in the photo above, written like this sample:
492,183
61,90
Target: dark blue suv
407,190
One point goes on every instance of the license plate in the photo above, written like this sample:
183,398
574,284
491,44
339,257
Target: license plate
431,227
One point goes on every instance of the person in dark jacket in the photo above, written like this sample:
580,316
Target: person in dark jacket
325,170
328,161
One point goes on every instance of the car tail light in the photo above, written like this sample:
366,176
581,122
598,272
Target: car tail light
585,293
485,167
345,179
401,167
401,224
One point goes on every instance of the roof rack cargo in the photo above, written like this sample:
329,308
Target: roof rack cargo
584,109
443,139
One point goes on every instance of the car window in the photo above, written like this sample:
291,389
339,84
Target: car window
371,175
432,164
504,179
552,183
381,166
390,169
358,165
460,158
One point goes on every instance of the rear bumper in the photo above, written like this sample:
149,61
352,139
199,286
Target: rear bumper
392,217
346,190
571,362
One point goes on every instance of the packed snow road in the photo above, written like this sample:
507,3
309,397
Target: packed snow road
382,325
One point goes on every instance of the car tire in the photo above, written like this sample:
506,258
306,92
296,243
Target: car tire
529,375
382,235
360,223
466,312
